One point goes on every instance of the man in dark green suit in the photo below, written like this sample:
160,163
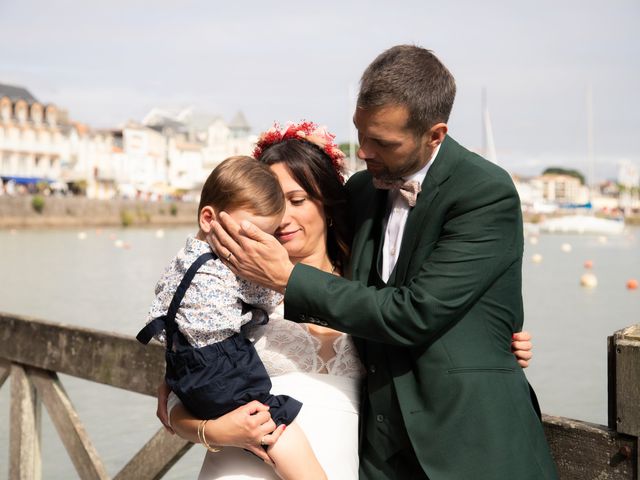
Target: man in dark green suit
435,290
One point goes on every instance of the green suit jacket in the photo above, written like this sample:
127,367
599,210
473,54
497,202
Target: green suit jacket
436,340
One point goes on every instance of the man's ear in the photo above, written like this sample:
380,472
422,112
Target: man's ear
436,134
207,215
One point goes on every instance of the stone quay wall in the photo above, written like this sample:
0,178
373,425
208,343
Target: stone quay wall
19,212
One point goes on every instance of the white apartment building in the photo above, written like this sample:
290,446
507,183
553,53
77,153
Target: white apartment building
561,189
169,153
31,137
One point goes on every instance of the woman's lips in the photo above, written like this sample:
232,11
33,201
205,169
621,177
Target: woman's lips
286,236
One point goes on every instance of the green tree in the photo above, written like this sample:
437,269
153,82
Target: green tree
565,171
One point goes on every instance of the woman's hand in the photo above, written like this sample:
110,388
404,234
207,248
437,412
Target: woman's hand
521,347
161,412
250,253
249,427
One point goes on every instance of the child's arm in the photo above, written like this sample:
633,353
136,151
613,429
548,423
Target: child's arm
258,296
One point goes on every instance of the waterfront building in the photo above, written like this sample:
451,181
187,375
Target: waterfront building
198,142
169,153
561,189
31,138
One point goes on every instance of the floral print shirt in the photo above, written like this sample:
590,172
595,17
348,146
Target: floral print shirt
211,309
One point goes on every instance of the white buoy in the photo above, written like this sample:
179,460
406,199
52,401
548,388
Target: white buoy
566,247
533,240
160,233
602,239
82,236
536,258
118,243
589,280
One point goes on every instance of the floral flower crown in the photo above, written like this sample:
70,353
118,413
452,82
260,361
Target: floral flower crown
307,131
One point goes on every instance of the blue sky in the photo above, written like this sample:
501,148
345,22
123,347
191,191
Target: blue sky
107,62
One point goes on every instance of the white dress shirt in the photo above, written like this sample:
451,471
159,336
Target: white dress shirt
398,212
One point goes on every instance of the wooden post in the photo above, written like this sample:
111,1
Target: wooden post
24,432
624,398
627,375
64,417
155,458
5,369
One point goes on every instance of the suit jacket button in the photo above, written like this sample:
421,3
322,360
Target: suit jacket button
302,317
380,418
372,368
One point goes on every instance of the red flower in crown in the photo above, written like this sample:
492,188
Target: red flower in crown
305,131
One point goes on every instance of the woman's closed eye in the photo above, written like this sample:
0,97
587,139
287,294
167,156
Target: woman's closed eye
297,201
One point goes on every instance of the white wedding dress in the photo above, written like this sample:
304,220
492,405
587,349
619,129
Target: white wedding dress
321,371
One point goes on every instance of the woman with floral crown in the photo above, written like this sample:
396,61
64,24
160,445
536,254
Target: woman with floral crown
315,364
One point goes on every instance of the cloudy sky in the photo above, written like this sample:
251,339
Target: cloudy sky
107,62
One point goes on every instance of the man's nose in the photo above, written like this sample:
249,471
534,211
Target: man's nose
363,152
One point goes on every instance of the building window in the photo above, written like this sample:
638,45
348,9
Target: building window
36,113
21,111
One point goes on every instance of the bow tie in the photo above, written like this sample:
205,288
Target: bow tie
409,190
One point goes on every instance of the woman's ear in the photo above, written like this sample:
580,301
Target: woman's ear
207,215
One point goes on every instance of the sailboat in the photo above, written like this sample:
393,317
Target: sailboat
585,222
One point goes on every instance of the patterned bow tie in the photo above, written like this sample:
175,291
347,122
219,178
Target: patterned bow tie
409,190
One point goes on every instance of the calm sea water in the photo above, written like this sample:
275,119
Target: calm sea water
81,277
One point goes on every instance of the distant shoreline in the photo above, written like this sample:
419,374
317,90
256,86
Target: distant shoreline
18,212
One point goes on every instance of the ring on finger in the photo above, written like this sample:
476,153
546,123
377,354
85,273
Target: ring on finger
229,256
262,442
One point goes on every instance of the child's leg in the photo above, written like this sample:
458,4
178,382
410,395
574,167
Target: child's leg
293,457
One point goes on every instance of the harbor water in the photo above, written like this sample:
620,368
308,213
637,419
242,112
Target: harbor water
104,279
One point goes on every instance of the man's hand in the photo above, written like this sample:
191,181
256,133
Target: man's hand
250,253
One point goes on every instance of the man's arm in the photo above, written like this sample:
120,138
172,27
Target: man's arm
480,238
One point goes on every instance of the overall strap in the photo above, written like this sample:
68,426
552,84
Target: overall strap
167,322
170,323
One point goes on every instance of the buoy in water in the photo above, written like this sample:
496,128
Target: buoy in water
588,264
82,236
589,280
533,240
602,239
160,233
566,247
632,284
536,258
118,244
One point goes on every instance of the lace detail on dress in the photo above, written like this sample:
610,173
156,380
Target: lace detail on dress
286,347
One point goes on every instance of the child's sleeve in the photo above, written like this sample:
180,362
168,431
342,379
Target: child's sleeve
258,296
159,306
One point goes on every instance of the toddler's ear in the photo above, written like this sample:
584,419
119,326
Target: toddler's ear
207,215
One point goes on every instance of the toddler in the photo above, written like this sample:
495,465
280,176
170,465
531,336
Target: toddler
200,310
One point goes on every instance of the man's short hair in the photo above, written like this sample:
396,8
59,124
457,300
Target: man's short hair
410,76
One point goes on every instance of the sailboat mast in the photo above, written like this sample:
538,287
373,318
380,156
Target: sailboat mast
488,145
590,143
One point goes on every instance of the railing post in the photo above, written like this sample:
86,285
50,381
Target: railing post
624,386
24,432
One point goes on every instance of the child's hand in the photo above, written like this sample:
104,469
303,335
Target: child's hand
161,412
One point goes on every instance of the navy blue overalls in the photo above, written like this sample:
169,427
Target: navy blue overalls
216,379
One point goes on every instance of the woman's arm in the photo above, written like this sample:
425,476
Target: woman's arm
521,347
248,427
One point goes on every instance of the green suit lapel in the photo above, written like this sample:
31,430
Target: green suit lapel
364,243
437,174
